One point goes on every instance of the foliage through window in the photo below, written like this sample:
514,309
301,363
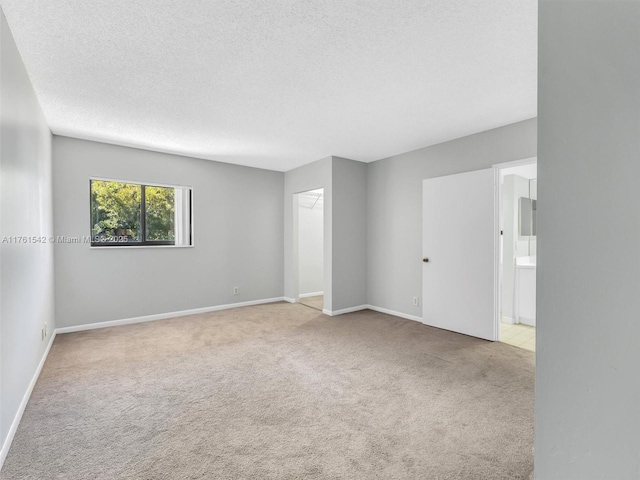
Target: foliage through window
125,213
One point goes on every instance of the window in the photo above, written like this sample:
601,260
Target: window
133,214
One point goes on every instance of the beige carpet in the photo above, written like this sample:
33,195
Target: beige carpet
316,302
277,391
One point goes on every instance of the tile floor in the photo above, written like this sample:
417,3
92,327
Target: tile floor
518,335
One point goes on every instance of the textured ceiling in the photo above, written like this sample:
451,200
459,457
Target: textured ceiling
280,83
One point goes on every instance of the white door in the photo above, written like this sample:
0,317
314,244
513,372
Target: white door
458,235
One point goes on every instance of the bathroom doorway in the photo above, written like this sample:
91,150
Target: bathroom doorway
311,248
518,194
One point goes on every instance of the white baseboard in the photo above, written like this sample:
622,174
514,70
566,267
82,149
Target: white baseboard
25,399
508,320
312,294
333,313
527,321
289,299
162,316
394,313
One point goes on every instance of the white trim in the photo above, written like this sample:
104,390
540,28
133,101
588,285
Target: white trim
415,318
497,271
289,299
312,294
162,316
333,313
25,399
531,322
344,310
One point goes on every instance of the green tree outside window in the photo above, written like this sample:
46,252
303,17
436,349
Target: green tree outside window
128,212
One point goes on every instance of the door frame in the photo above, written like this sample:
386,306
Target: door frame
497,291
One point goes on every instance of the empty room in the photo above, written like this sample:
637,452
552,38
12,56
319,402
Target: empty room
319,239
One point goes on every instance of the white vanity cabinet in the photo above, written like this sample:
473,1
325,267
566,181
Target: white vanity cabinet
525,294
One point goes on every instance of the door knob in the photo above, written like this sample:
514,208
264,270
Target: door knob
425,260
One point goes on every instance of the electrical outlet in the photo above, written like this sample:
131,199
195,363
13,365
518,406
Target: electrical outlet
416,301
236,290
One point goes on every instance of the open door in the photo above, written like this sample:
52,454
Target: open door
458,245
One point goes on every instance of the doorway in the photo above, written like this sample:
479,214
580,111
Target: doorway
479,263
518,194
311,248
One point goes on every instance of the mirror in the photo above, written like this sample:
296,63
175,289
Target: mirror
527,223
528,218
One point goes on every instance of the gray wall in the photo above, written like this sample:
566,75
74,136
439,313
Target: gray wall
238,223
26,279
349,233
394,206
345,269
588,336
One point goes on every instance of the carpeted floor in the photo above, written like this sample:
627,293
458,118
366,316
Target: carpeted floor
277,391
